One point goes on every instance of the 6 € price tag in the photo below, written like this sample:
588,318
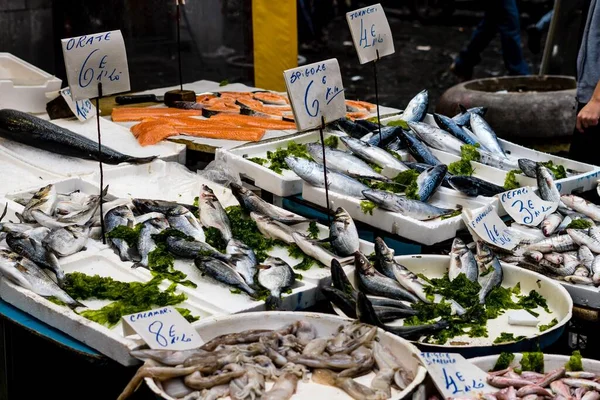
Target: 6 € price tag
525,207
486,223
83,109
315,91
456,377
162,328
91,59
371,32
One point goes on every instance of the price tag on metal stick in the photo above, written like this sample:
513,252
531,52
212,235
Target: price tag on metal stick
316,92
163,328
371,33
83,109
486,223
525,207
94,59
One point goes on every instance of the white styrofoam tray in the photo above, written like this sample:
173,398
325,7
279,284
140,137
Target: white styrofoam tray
18,175
24,86
326,325
551,362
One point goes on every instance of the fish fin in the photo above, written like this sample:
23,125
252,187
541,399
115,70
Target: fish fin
141,160
4,212
76,304
325,240
365,311
273,303
463,109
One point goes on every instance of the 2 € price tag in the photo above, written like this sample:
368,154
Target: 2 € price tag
162,328
93,59
486,223
316,91
456,377
371,32
83,109
525,207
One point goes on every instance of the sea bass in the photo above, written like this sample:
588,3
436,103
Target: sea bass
343,234
145,242
273,229
277,276
182,219
33,249
121,216
462,261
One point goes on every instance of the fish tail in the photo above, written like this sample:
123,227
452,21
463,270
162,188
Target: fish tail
141,160
273,303
73,304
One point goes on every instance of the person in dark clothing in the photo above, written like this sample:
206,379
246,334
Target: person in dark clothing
535,32
500,16
585,144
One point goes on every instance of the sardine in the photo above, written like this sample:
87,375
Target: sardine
373,154
182,219
463,118
450,126
223,273
584,240
374,282
416,109
485,134
243,260
343,234
313,249
192,249
277,276
343,162
462,261
212,213
43,200
581,205
490,270
121,216
145,242
429,180
419,150
473,186
436,138
26,246
550,223
411,208
66,241
547,189
273,229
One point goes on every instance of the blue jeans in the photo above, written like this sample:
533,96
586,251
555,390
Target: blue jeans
544,22
500,16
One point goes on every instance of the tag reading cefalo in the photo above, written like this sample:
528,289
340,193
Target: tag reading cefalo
525,207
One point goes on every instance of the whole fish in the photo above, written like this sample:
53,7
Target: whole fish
343,234
528,167
277,276
485,134
342,300
273,229
349,127
410,208
343,162
146,244
312,173
420,167
145,206
223,273
473,186
27,129
555,258
183,220
43,200
371,126
596,270
419,150
594,232
581,205
388,134
558,244
450,126
586,257
121,216
374,155
547,188
397,144
584,240
28,247
550,223
429,180
212,213
243,260
462,261
81,217
436,138
68,240
251,202
416,109
487,261
464,117
313,249
568,267
28,275
495,160
192,249
374,282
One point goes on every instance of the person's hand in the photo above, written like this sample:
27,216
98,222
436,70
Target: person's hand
589,115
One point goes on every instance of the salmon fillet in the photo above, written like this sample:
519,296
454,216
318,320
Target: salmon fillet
128,114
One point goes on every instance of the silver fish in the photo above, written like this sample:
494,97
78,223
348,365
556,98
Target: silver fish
416,109
487,261
436,138
495,160
373,154
585,257
559,244
313,249
343,234
596,270
145,206
550,223
582,205
34,250
277,276
223,273
485,134
44,200
145,242
212,213
584,240
121,216
579,280
81,217
374,282
273,229
68,240
182,219
464,117
243,259
410,208
462,261
429,180
547,188
343,162
192,249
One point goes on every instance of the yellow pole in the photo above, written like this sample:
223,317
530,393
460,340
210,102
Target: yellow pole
275,41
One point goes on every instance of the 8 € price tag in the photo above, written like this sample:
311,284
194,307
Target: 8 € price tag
486,223
83,109
162,328
371,33
315,91
525,207
93,59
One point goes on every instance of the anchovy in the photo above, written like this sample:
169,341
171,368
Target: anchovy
243,260
416,109
419,151
66,241
462,261
223,273
32,131
388,134
374,282
410,208
121,216
313,249
145,242
429,180
277,276
436,138
312,173
252,202
351,128
374,155
343,162
191,249
490,270
212,213
551,223
464,117
343,234
182,219
28,247
450,126
473,186
581,205
485,134
273,229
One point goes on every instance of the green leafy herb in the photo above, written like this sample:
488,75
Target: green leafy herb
507,337
503,361
398,122
367,206
533,361
235,291
579,224
214,237
557,170
574,363
543,328
224,82
187,314
277,157
453,214
332,141
463,166
129,235
510,181
405,182
196,202
244,228
307,261
258,160
313,230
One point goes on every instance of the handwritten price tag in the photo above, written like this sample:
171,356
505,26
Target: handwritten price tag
454,376
316,91
91,59
83,109
370,33
486,223
163,328
525,207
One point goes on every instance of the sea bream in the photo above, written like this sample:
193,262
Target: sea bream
411,208
243,260
183,220
212,213
277,276
223,273
343,162
121,216
343,235
68,240
374,155
146,243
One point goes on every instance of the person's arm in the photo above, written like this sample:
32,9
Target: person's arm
590,114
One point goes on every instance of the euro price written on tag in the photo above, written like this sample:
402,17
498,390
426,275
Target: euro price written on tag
163,328
93,59
456,377
83,109
371,33
315,91
525,207
486,223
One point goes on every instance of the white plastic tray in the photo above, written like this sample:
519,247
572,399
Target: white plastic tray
551,362
19,175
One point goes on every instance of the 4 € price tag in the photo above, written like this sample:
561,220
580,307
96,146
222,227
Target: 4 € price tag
486,223
525,207
83,109
162,328
93,59
456,377
315,91
371,33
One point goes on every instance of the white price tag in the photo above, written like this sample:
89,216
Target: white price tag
456,377
91,59
486,223
83,109
371,32
525,207
316,91
163,328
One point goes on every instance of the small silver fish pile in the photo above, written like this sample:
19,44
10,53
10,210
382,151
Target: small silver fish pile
240,364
